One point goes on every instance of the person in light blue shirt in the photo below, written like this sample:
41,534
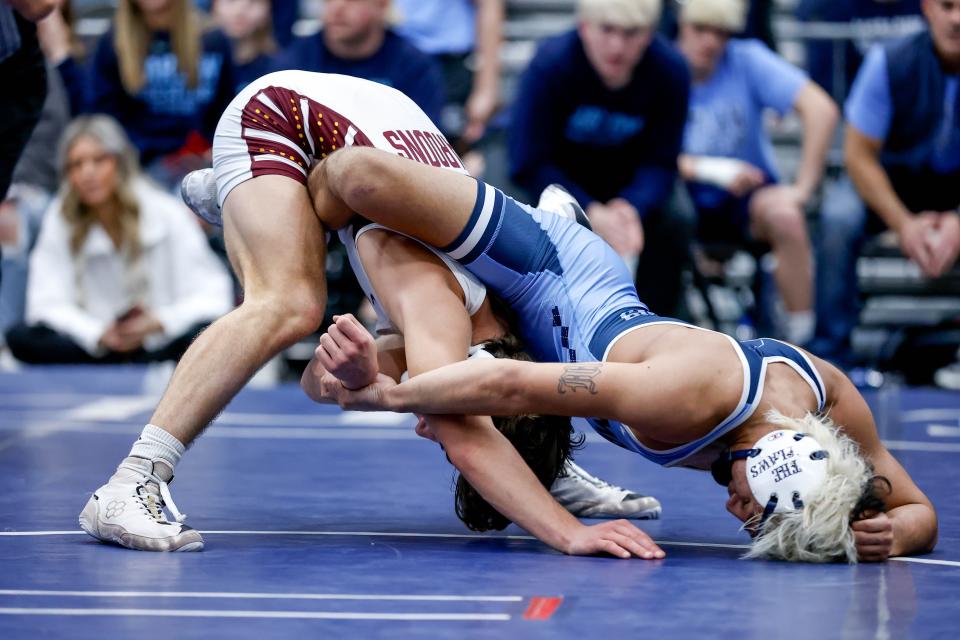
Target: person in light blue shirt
464,37
902,152
870,112
727,157
833,64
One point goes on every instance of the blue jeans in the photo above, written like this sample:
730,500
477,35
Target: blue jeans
31,203
843,219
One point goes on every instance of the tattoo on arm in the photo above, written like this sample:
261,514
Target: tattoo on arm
579,377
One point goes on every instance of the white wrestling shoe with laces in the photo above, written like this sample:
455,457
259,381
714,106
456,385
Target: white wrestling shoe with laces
199,190
128,510
587,496
558,200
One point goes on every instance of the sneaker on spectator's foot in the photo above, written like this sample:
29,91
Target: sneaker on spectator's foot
587,496
199,190
558,200
128,510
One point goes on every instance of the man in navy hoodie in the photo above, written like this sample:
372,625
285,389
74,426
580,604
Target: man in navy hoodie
356,41
601,111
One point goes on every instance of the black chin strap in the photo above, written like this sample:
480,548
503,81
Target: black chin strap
741,454
768,510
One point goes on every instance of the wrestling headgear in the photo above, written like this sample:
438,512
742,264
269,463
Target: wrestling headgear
783,468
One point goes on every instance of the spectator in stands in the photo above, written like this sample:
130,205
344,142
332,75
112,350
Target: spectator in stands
600,110
247,23
35,179
902,151
23,77
727,157
356,40
283,15
121,270
464,37
166,81
757,24
870,21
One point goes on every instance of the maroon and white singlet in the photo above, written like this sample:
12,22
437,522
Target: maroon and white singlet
285,122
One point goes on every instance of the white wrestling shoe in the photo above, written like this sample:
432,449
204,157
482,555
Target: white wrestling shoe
586,496
199,190
128,510
558,200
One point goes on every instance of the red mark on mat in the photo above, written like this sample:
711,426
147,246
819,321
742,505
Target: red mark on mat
541,608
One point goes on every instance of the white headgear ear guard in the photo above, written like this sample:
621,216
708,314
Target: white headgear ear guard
786,468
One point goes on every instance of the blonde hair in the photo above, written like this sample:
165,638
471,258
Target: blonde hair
108,133
621,13
729,15
820,531
132,37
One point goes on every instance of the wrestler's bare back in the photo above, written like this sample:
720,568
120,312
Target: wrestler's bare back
701,379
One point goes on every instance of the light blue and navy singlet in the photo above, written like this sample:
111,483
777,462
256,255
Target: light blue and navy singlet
575,298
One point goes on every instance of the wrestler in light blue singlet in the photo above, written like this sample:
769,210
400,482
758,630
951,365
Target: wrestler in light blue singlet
574,298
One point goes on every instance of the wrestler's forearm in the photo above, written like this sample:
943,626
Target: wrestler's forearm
469,387
914,529
495,469
390,355
310,382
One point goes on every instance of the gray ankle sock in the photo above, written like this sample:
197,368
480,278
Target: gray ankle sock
156,443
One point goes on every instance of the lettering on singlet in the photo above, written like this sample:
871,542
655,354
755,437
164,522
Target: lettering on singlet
426,147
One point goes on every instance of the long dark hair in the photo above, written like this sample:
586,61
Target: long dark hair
544,442
872,498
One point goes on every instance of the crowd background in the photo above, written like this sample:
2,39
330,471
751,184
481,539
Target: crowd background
755,219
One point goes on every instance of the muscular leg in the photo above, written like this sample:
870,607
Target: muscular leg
425,202
778,219
782,224
277,247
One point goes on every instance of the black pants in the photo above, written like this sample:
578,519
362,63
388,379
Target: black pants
667,233
39,344
23,77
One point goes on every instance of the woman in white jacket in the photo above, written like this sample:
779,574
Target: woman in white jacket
121,271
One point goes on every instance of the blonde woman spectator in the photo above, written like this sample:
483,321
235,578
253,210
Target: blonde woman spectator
165,80
121,270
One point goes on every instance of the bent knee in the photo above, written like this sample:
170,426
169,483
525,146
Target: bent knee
785,223
288,318
356,174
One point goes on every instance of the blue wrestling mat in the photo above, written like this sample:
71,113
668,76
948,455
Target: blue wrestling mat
322,524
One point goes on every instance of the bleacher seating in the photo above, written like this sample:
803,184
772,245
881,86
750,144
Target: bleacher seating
894,293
